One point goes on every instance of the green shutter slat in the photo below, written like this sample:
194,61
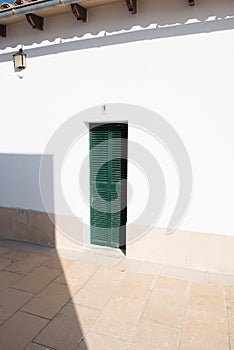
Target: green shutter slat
107,169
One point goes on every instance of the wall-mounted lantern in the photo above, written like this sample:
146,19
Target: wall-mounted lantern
191,2
19,60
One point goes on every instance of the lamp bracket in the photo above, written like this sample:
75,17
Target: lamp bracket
35,21
132,6
79,12
3,30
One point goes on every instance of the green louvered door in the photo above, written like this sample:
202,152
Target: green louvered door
108,184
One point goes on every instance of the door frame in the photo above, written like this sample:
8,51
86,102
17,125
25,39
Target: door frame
124,153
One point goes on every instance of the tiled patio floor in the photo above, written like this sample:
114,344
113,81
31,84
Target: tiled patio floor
48,302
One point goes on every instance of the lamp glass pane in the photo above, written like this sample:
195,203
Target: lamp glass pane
20,61
24,60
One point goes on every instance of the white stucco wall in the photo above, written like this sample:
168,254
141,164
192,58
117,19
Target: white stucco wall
172,59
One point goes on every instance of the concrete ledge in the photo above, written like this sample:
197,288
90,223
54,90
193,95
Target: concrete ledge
38,227
184,249
26,225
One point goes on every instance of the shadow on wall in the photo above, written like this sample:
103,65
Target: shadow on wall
112,24
22,213
49,315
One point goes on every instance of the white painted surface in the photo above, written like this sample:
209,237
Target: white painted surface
174,60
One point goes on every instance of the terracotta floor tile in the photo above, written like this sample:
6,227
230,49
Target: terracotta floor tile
11,300
19,330
57,262
149,337
230,293
172,284
96,292
3,251
27,264
77,273
112,273
230,313
165,307
67,328
14,255
4,263
204,331
37,279
119,317
207,288
3,317
135,285
94,341
49,301
8,278
208,298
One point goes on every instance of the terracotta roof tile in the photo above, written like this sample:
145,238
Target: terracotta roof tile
6,5
19,2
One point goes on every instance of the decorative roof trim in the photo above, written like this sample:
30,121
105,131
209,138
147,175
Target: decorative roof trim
35,10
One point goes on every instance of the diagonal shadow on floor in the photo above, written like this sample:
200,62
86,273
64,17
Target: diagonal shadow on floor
36,308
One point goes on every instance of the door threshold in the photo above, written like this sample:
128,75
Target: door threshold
101,250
